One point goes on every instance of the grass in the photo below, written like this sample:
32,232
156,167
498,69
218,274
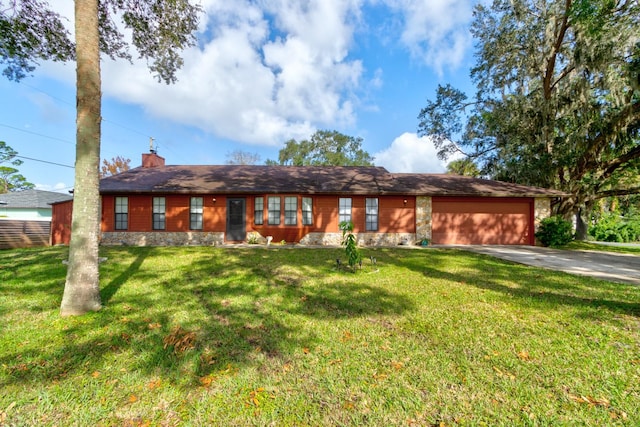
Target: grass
280,336
588,246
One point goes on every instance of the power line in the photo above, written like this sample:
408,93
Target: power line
167,145
45,161
36,133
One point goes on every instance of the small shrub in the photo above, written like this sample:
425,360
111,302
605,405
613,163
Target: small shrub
614,228
350,244
555,231
253,238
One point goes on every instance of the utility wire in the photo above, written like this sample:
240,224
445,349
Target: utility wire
45,161
36,133
167,145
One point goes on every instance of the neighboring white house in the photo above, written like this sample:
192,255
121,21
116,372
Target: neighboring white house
29,205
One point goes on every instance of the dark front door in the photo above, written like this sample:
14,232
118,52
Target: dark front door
236,230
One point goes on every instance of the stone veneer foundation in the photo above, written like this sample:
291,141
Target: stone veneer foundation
134,238
363,239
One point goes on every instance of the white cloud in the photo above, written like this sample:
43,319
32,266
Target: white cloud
59,187
410,153
436,31
260,75
272,70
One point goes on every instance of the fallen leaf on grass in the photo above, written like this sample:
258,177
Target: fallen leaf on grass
95,374
524,355
590,400
397,365
257,395
615,414
207,380
503,373
305,350
133,398
180,339
346,336
154,384
153,326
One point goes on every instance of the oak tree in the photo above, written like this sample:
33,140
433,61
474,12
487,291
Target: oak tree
324,148
557,102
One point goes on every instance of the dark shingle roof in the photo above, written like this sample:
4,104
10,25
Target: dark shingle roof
241,179
32,199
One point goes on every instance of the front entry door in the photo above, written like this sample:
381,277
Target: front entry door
236,227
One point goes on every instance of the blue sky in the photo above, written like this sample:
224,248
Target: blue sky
264,72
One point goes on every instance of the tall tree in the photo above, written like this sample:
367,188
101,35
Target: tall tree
10,179
160,29
324,148
464,166
558,98
239,157
114,166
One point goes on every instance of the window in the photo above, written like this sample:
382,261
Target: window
371,214
344,210
290,210
195,222
274,210
307,211
158,213
122,213
258,211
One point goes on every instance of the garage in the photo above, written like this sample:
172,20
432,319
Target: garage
482,221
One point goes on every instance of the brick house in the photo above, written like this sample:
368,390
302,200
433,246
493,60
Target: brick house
158,204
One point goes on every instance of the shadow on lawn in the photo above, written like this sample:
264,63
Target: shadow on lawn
526,284
185,321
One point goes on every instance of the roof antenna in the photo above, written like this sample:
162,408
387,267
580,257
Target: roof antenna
151,149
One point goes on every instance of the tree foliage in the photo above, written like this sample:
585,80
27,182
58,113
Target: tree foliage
31,31
114,166
324,148
239,157
464,166
558,98
10,179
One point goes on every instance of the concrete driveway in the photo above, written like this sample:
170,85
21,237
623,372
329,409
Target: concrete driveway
610,266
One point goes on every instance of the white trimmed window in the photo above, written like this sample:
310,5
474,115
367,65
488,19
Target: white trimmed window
344,209
196,210
290,210
122,213
258,210
307,211
274,210
371,214
159,209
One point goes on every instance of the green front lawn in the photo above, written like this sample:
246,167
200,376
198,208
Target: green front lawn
578,245
280,336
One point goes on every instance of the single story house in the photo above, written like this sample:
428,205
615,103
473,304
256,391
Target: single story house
30,205
158,204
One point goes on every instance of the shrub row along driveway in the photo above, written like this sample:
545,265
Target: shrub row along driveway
614,267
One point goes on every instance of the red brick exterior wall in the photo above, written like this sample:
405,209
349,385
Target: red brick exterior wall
395,216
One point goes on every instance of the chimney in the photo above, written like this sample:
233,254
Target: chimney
152,160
